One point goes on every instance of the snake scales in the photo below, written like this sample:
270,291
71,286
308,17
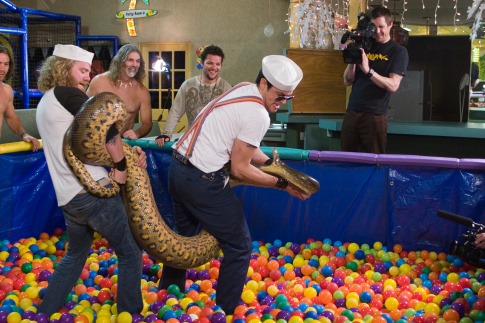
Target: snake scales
84,143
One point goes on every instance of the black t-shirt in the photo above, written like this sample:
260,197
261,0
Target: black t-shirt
384,59
72,99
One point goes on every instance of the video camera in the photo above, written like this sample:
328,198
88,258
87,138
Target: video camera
362,37
466,249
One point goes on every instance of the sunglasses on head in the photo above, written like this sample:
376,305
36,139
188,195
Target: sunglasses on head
284,97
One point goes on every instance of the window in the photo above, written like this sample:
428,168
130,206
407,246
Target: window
163,85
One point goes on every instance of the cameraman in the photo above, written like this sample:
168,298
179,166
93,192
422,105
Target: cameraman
373,81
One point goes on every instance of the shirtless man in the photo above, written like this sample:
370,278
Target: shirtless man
124,78
7,109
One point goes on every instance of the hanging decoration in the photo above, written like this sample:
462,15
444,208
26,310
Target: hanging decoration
198,53
268,29
313,23
131,14
476,9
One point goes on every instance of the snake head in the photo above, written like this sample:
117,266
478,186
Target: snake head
300,180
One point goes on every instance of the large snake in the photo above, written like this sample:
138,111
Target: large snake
84,143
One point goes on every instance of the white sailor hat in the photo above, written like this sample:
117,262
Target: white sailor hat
73,52
282,72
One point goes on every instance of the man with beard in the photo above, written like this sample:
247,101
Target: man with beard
196,92
125,78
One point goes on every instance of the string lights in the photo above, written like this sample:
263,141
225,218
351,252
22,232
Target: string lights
476,9
436,12
311,23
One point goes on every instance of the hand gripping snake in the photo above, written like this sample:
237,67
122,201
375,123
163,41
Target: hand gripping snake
84,143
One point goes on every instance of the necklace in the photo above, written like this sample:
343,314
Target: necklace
123,84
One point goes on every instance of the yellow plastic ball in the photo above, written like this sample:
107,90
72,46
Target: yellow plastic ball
124,317
14,317
248,296
353,247
453,278
432,308
377,245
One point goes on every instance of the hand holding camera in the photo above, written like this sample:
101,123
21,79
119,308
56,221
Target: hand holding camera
361,38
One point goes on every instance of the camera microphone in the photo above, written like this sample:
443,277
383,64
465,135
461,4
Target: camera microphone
456,218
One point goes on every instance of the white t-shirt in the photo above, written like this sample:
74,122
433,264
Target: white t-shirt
53,120
246,121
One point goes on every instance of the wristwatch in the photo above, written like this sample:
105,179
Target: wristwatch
371,72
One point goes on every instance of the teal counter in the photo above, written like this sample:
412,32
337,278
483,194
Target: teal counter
430,138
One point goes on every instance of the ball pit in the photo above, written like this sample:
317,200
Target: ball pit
312,282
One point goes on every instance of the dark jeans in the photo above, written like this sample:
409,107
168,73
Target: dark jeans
85,214
203,199
364,132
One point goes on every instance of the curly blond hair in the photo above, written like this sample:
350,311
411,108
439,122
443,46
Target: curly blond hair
54,72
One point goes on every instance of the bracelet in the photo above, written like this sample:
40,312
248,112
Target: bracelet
23,134
281,183
121,165
163,137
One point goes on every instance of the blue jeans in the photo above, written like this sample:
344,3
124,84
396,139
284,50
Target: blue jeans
202,199
85,214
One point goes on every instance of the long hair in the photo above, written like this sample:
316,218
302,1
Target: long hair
4,50
120,58
54,72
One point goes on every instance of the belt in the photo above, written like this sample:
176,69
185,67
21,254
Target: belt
179,157
103,182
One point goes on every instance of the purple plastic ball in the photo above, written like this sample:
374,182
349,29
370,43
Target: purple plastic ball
436,289
203,274
273,251
295,247
380,268
136,318
267,300
28,315
340,302
283,315
481,277
3,316
191,274
151,318
93,300
66,318
44,275
376,288
41,318
156,306
459,308
70,305
337,280
218,317
185,318
444,302
146,269
328,315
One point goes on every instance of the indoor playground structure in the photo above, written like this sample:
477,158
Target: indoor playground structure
369,246
31,36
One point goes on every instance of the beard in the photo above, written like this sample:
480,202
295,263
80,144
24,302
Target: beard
131,72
